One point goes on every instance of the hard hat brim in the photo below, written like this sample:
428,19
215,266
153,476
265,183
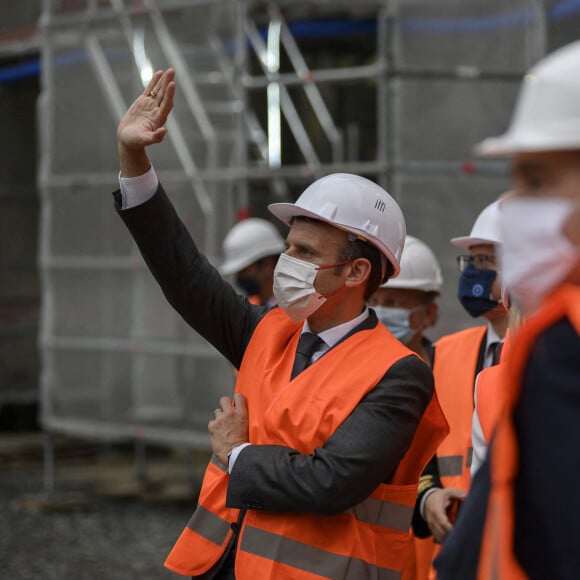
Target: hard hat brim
465,242
233,266
285,212
513,142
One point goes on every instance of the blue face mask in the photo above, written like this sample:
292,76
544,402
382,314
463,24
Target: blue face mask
475,290
396,320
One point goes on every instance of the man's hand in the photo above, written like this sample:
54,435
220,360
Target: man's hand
144,123
229,428
436,506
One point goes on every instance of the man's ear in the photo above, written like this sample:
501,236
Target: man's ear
431,314
360,270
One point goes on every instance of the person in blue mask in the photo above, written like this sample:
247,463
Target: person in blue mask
407,305
458,359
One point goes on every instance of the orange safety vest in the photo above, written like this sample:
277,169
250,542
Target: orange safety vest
490,393
497,556
368,539
454,368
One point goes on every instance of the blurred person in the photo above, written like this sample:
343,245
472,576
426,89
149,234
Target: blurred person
459,357
251,249
520,519
490,394
317,455
407,305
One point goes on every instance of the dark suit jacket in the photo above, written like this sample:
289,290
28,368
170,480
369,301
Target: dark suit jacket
547,502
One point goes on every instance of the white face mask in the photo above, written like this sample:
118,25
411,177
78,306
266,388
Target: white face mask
535,255
294,286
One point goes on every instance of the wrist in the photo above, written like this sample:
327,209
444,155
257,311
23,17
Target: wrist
133,162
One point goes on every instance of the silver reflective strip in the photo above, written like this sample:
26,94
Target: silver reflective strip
469,457
218,464
311,559
208,525
450,465
383,513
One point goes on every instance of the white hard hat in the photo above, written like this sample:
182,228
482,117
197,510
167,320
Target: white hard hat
485,230
247,242
419,268
354,204
547,113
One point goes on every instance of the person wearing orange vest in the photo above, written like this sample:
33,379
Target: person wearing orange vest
251,249
458,359
490,393
407,306
317,455
520,519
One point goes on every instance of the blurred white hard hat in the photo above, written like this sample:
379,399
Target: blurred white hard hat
547,113
485,230
420,269
356,205
247,242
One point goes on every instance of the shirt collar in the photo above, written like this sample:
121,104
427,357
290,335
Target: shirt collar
492,336
333,335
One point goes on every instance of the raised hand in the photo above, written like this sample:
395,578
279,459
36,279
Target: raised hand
144,123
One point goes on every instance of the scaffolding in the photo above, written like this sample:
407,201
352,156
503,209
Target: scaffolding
270,96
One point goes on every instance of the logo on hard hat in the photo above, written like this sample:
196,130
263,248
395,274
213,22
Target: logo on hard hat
477,290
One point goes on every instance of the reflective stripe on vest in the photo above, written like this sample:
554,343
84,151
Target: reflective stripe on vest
497,554
449,466
309,558
383,513
454,368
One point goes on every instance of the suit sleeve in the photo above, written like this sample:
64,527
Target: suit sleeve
363,452
429,480
194,288
547,419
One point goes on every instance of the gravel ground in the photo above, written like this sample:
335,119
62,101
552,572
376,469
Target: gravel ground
97,524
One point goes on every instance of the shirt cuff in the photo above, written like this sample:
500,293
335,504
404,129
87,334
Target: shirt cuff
234,455
138,190
424,498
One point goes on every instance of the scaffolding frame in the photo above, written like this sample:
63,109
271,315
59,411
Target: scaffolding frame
204,176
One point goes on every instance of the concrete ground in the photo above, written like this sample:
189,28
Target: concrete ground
99,522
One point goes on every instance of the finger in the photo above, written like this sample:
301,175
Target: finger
239,403
226,404
160,90
166,99
151,85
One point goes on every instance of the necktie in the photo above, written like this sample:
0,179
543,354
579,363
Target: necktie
307,345
495,348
